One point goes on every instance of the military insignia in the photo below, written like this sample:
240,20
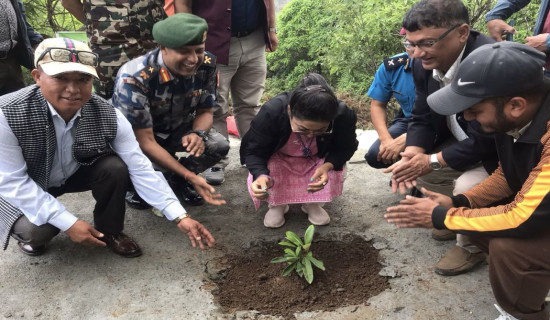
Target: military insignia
135,82
144,75
164,75
151,69
393,63
209,59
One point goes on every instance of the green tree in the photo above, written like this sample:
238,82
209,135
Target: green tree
49,16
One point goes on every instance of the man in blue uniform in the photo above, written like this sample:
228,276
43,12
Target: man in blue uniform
393,78
168,96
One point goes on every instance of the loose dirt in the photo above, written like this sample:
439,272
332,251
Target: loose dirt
251,282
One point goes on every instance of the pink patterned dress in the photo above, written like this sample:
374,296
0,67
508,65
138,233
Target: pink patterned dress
291,172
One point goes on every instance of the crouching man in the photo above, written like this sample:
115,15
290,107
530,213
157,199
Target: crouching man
507,215
61,138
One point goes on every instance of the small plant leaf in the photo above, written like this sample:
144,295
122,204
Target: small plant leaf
298,251
300,269
318,263
308,270
292,237
283,259
308,236
288,244
306,246
288,270
290,252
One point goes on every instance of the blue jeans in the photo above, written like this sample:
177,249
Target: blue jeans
398,126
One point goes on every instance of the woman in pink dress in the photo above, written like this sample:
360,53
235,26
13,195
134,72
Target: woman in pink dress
296,150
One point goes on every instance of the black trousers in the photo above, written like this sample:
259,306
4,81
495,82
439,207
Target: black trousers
108,180
11,76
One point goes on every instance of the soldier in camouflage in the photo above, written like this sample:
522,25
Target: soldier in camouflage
118,31
168,95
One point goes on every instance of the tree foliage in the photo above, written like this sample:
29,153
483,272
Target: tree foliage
346,40
49,16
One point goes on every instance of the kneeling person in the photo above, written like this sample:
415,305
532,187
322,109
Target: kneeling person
168,95
61,138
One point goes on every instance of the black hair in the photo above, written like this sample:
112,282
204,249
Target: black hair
436,14
313,100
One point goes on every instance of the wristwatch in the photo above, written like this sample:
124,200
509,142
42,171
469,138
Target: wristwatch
183,216
434,163
273,30
201,133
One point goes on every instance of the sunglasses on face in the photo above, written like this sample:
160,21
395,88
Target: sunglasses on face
69,55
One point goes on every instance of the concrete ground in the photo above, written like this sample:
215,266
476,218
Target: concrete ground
75,282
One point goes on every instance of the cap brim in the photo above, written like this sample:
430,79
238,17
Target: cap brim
446,101
54,68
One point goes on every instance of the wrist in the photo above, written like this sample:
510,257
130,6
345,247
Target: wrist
203,134
270,181
183,216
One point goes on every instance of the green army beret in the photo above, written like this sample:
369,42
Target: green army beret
182,29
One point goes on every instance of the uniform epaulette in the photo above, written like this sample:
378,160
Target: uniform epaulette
396,62
209,59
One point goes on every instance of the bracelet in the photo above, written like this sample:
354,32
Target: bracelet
183,216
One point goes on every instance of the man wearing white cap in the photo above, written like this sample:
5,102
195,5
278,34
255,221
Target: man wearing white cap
61,138
502,86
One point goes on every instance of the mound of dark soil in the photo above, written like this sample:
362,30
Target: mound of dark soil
251,282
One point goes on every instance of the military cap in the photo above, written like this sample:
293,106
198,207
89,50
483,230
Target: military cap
182,29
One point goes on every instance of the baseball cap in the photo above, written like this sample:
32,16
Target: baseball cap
61,55
181,29
493,70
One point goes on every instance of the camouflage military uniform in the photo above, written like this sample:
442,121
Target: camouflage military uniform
151,97
119,30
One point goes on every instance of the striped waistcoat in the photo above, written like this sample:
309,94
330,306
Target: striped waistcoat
29,118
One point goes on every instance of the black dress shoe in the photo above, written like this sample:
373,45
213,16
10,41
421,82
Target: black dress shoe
187,193
122,244
133,200
31,250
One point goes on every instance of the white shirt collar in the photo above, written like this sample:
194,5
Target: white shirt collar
447,78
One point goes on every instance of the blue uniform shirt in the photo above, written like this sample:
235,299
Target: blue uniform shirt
394,77
150,96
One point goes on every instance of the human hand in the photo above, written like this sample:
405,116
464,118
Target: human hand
390,149
206,191
193,144
319,179
259,187
441,199
497,28
418,164
82,232
412,213
196,232
274,40
403,187
538,42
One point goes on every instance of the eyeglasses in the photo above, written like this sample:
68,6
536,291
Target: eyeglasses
428,43
69,55
320,132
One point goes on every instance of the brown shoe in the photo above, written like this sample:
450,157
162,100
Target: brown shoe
122,244
31,250
443,235
458,260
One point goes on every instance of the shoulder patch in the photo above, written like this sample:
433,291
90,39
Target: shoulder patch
209,59
396,62
133,81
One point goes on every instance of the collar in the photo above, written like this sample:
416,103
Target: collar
447,78
517,133
54,112
538,126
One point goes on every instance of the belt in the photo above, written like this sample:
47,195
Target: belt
241,34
